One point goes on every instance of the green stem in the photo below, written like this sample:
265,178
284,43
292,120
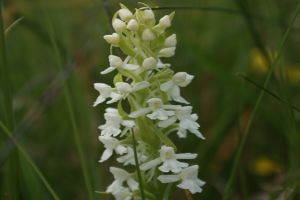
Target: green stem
237,158
29,160
138,167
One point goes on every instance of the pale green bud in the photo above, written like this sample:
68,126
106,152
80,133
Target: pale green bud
125,14
148,35
170,41
113,39
182,79
167,52
115,61
133,25
118,25
147,15
150,63
165,22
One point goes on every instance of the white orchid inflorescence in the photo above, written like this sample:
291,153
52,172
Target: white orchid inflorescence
149,108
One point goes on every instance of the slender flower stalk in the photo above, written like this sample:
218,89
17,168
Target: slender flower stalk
149,107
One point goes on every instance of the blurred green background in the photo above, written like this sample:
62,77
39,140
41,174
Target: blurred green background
55,51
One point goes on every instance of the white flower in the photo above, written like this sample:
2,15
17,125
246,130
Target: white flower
118,25
149,63
165,22
122,193
133,25
148,35
111,144
105,92
112,127
157,109
121,176
125,14
124,89
187,122
113,39
170,41
121,91
167,52
116,62
172,87
128,159
169,160
189,179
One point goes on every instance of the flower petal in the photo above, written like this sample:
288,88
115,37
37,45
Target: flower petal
108,70
150,164
186,156
106,155
168,178
139,112
140,85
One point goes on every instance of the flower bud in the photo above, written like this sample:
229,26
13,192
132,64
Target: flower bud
133,25
165,22
125,14
123,88
115,61
182,79
155,103
167,52
113,39
150,63
171,41
118,25
147,15
148,35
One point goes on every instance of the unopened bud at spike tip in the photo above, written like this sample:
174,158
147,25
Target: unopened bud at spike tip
125,14
148,35
165,22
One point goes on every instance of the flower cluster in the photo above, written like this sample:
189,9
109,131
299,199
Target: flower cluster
149,107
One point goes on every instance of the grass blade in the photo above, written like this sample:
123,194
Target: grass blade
70,109
10,27
9,178
269,92
257,103
30,161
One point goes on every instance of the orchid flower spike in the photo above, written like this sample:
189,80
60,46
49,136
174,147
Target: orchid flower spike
149,108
